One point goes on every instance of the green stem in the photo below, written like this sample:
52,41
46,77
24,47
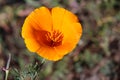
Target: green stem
43,60
40,67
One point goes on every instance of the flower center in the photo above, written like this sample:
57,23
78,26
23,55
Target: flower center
53,38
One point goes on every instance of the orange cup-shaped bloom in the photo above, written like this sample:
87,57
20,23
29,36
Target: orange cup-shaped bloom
51,33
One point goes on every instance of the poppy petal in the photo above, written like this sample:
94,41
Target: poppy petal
42,18
58,16
32,44
49,53
71,38
27,29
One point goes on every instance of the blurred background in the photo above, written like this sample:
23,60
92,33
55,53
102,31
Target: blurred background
96,57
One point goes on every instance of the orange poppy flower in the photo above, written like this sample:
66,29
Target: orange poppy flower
51,33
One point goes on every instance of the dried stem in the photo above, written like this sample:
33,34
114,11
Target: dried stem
6,69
